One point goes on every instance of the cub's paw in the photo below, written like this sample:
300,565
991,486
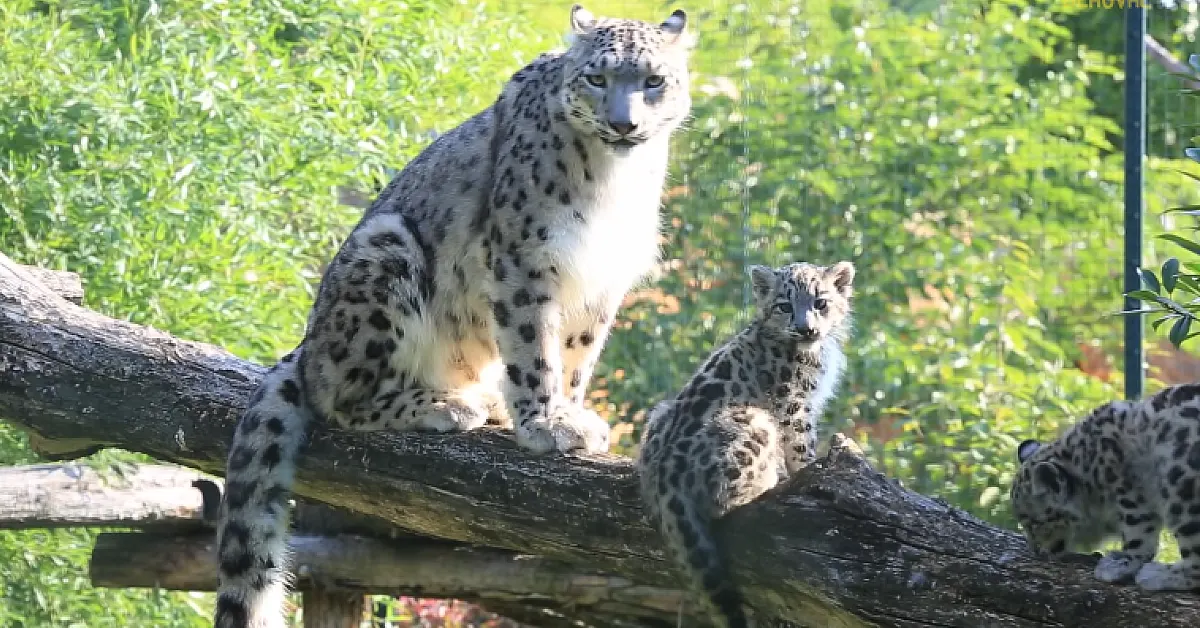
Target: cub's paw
452,414
1160,577
1118,567
567,428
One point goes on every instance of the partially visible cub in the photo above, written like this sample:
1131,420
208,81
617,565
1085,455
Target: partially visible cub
1128,468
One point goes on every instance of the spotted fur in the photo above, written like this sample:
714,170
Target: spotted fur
1124,471
746,420
479,287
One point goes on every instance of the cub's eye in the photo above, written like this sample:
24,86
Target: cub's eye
820,304
654,81
786,308
595,80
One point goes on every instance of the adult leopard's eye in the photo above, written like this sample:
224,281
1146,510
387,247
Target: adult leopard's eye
786,308
820,304
654,81
595,80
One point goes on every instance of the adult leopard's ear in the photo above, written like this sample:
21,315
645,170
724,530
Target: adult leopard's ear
763,281
1027,448
842,274
675,24
675,31
582,20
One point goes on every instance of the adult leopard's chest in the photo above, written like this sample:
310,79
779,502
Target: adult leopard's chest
609,240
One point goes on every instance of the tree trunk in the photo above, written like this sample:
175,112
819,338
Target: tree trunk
839,545
325,609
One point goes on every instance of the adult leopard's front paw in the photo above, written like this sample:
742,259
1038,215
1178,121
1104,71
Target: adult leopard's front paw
452,413
1118,567
566,428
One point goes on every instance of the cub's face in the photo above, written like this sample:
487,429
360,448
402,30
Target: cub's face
804,302
1047,502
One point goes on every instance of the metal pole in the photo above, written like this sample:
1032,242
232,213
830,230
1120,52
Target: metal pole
1135,150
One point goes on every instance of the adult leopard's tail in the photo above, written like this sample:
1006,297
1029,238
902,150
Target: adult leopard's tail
252,535
689,534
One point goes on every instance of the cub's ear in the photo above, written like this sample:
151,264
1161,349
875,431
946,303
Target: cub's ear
1052,479
1026,449
842,274
763,281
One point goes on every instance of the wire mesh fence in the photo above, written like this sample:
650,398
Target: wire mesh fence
966,156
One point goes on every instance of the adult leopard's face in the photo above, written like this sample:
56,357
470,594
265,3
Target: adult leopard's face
803,301
626,81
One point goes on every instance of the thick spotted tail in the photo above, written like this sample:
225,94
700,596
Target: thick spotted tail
252,535
689,534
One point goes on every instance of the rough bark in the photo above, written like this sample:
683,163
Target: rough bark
325,609
840,545
72,495
356,565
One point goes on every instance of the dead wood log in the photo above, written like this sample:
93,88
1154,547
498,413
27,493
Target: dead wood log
839,546
356,565
74,495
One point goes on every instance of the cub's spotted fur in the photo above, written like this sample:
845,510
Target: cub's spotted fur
746,420
1127,469
480,285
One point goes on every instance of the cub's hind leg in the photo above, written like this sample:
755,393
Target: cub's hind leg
1183,519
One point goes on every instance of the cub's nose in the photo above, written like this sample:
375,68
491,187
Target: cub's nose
807,333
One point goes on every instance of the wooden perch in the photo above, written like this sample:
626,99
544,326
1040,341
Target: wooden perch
359,565
840,546
72,495
1164,58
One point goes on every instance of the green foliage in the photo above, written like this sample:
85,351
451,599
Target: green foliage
978,203
198,164
188,159
1174,295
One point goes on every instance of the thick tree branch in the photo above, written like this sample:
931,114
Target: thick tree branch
839,546
352,564
72,495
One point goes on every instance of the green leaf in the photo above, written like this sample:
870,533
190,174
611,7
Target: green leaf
1189,283
1142,295
1179,330
1170,272
1184,242
1150,280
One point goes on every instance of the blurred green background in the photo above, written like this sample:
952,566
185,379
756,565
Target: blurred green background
197,162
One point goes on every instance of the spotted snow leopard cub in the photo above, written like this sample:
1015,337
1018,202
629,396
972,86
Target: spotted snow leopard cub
746,420
1127,469
480,285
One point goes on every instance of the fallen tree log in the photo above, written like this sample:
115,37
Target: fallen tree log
352,564
840,545
71,495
